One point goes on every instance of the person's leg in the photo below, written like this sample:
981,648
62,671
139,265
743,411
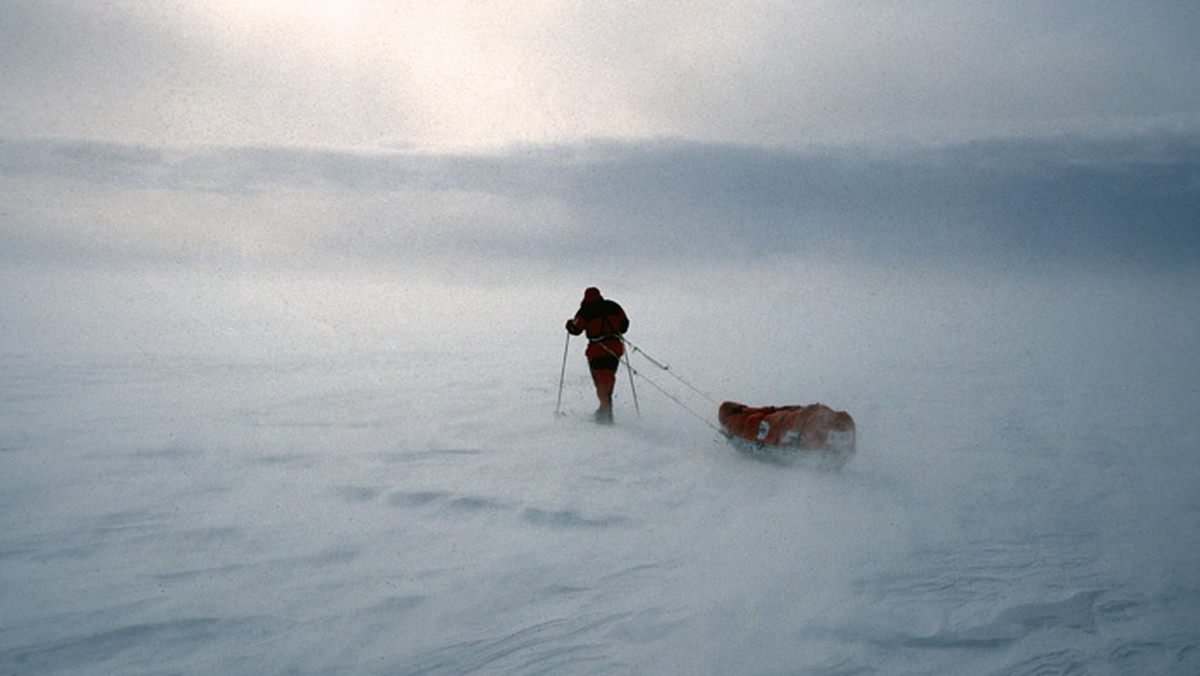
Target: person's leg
605,380
603,360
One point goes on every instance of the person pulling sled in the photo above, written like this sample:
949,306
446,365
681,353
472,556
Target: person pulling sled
604,322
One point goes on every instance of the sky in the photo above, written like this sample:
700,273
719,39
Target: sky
256,131
485,74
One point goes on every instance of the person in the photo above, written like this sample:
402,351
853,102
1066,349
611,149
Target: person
604,322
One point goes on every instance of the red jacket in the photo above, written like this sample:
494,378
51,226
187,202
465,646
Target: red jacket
598,317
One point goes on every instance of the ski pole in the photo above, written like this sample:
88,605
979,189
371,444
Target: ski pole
633,389
561,375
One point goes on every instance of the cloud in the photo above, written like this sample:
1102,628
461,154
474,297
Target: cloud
1013,203
370,74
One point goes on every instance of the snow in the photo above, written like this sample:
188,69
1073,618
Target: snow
250,473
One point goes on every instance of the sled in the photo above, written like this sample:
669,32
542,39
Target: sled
815,427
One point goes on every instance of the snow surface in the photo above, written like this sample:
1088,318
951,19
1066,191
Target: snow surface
236,474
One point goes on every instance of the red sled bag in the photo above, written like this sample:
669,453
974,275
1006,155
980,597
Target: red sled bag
808,428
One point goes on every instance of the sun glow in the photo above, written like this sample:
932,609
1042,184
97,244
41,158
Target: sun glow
330,14
446,76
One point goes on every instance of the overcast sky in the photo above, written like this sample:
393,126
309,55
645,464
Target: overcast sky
267,130
479,73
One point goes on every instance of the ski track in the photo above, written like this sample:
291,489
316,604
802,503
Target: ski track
390,512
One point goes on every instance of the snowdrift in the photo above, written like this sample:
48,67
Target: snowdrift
815,427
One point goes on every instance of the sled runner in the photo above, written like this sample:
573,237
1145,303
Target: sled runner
805,428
